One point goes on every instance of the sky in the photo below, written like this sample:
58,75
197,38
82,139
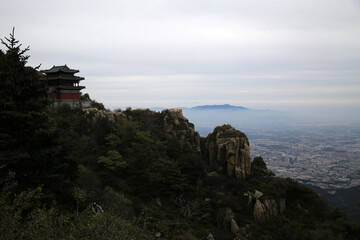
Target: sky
300,56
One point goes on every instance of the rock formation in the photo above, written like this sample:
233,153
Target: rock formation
266,209
94,113
234,227
259,211
226,220
227,150
210,237
271,207
170,121
179,127
224,217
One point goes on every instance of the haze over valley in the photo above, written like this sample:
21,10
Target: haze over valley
323,152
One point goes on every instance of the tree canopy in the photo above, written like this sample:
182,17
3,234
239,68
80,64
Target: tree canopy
28,139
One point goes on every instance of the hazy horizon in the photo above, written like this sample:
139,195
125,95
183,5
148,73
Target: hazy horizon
206,119
298,57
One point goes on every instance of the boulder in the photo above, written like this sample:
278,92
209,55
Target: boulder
210,237
260,211
258,194
234,227
267,209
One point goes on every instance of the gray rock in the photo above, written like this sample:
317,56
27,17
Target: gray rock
271,208
259,211
234,227
225,215
96,114
179,127
258,194
229,148
210,237
213,174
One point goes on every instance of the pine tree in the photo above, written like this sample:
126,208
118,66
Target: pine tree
28,138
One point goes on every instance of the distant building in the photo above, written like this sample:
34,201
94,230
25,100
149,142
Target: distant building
63,86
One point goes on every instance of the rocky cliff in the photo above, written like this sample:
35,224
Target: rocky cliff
179,127
265,208
169,124
227,151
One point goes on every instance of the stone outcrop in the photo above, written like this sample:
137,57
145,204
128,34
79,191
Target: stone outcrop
267,208
179,127
94,113
272,208
210,237
226,220
259,211
228,152
234,227
171,122
225,216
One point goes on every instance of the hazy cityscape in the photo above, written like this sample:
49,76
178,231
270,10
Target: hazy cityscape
324,156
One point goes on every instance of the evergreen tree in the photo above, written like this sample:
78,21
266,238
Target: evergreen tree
28,138
259,169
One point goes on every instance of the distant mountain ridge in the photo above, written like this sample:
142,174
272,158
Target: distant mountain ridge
207,117
219,107
207,107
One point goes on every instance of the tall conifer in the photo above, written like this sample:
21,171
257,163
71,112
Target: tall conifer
28,139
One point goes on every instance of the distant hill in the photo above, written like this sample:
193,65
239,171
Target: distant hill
219,107
207,108
207,117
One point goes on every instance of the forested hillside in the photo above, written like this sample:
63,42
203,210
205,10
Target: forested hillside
73,173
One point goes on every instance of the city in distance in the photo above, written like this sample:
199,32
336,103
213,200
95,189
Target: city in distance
323,152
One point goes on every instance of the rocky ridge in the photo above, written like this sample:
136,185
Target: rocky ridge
226,150
178,127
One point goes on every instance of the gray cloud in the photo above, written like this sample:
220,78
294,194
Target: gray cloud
264,53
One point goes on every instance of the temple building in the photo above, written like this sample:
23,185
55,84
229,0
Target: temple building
63,86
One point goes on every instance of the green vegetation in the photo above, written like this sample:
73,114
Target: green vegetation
259,169
56,162
226,131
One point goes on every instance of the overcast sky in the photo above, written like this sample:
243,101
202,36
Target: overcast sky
298,55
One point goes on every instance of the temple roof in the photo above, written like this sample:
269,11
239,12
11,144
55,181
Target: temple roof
56,69
70,87
62,77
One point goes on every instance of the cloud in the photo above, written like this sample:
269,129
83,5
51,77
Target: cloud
170,90
264,53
